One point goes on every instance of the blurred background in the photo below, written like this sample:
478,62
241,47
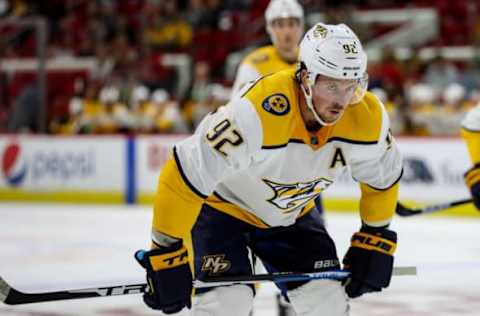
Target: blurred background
158,66
93,95
136,76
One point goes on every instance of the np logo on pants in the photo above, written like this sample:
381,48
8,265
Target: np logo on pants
215,264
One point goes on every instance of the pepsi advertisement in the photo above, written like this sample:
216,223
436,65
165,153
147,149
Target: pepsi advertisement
42,163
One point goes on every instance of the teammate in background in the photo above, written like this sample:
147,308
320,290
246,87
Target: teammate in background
248,178
284,21
471,133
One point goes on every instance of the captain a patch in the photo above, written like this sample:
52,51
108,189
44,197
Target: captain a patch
276,104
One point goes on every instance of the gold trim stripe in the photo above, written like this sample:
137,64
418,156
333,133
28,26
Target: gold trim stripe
83,197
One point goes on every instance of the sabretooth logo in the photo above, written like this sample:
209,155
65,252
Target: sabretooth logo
290,196
215,264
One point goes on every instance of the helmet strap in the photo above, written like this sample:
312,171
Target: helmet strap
309,100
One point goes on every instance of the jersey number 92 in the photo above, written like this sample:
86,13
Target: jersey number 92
223,134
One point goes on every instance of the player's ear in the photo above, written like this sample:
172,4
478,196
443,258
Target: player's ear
303,76
304,80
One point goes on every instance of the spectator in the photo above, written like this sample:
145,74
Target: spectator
446,119
168,118
142,109
25,113
104,63
390,71
440,73
470,77
421,99
114,116
196,106
166,29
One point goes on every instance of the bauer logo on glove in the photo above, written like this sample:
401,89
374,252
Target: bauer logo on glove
370,242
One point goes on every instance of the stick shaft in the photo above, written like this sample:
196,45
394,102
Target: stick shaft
402,210
443,206
286,277
11,296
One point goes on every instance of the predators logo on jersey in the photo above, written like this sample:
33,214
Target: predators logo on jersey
215,264
320,31
276,104
288,197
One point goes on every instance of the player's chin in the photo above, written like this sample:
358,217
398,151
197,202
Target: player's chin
333,116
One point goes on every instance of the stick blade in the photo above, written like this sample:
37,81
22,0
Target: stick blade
404,211
10,296
4,290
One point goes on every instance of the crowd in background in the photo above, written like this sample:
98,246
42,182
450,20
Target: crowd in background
131,90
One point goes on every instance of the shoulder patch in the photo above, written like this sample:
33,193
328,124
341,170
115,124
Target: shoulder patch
276,104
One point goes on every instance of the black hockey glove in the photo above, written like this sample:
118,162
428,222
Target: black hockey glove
169,278
370,260
472,179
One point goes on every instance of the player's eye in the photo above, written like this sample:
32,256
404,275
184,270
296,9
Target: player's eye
332,87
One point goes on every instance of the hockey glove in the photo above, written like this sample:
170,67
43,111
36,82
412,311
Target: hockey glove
169,278
472,179
369,260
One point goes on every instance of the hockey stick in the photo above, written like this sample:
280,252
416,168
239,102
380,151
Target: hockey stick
289,277
11,296
402,210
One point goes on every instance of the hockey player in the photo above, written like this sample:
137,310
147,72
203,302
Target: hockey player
285,25
284,21
248,178
471,133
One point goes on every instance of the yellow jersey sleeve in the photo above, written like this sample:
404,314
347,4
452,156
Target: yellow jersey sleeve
471,133
378,166
275,100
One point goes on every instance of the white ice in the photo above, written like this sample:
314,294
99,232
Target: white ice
55,247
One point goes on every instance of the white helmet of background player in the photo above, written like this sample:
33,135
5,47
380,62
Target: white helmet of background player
282,9
333,51
139,94
109,95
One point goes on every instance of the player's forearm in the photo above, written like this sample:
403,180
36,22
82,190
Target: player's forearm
176,205
377,207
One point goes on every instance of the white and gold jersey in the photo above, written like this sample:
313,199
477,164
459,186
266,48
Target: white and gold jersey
255,160
261,62
471,133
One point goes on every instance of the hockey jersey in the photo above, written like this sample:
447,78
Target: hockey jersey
262,61
255,160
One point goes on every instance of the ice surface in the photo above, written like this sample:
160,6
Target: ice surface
53,247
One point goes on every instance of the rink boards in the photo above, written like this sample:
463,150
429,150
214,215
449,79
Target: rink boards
121,169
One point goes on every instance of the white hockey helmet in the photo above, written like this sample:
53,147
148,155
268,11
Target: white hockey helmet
454,93
280,9
160,96
333,51
109,94
139,94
